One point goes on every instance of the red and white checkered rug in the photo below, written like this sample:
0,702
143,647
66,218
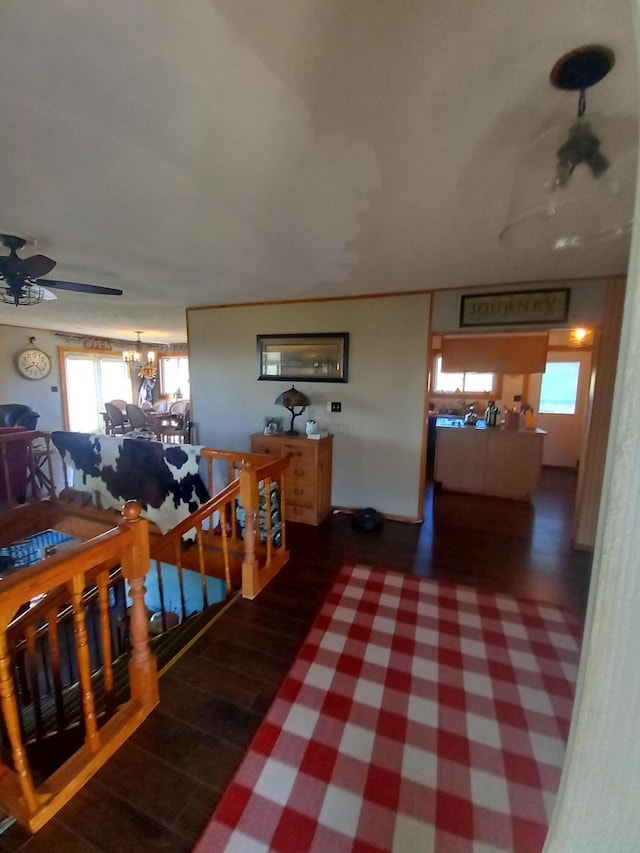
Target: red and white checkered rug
418,716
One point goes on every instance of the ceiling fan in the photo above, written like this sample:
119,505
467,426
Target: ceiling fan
23,277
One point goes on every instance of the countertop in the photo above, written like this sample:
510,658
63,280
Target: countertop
454,422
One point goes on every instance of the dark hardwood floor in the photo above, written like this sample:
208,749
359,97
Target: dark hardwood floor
159,790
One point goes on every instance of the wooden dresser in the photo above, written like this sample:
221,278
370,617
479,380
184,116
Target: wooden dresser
308,490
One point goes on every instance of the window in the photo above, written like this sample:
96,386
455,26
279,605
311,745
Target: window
559,389
90,380
174,376
461,383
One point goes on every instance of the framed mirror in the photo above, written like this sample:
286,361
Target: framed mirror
304,358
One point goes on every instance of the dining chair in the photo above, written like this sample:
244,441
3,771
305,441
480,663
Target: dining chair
136,416
177,429
121,404
118,425
180,407
140,427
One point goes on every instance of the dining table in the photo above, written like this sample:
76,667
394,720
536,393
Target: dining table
156,420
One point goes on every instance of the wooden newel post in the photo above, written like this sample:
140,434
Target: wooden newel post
249,501
143,674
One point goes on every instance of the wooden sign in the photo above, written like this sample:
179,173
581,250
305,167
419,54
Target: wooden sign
96,343
515,308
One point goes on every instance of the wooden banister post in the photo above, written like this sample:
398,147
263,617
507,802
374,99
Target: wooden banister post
250,503
52,487
12,721
102,583
143,674
92,735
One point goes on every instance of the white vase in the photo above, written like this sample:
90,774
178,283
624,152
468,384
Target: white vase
311,427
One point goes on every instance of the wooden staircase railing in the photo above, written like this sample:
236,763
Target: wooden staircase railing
238,536
224,537
74,570
42,646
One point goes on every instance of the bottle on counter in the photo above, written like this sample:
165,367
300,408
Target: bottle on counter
491,414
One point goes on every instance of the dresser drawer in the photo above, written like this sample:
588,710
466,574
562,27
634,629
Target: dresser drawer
303,514
308,474
267,446
300,493
302,461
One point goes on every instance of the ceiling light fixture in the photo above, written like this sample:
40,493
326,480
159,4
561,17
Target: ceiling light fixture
28,294
571,189
134,356
580,337
20,276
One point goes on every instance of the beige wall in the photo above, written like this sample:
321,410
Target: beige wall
36,393
377,437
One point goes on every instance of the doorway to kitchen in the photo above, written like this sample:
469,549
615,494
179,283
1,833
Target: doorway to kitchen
88,380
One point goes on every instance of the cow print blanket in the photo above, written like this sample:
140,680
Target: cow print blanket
163,478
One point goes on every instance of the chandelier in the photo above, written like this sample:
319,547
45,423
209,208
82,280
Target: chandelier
134,356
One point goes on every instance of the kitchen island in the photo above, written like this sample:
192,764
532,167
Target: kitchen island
485,460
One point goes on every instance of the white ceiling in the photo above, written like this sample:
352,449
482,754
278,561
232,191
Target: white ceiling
199,153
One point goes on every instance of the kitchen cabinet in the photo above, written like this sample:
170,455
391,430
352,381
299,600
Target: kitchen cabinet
489,461
308,478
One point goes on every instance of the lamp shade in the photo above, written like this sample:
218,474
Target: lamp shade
292,398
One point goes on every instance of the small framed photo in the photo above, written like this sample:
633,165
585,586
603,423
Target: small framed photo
272,426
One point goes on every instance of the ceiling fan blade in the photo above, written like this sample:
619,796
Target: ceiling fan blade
36,266
79,288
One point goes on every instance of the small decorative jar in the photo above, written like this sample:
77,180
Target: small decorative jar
311,427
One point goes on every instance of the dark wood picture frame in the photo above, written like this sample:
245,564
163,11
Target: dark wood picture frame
515,307
303,358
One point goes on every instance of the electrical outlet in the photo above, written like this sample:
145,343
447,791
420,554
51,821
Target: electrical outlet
336,407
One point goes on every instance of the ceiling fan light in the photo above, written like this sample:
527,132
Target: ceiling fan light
30,294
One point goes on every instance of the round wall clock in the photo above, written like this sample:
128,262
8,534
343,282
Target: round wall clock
33,364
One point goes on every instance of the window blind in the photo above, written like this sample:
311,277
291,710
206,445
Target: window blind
506,353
